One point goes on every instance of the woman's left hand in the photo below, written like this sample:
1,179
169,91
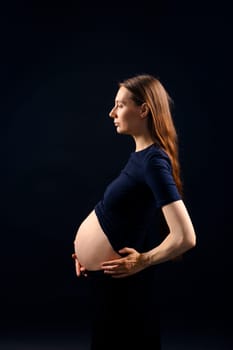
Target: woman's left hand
128,265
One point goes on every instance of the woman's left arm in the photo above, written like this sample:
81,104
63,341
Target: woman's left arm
181,235
180,239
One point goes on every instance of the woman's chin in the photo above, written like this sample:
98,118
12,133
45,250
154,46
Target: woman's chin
121,131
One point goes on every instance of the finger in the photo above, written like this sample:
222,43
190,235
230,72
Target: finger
111,272
83,273
112,262
116,269
77,266
125,250
109,267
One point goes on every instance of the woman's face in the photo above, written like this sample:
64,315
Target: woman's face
126,114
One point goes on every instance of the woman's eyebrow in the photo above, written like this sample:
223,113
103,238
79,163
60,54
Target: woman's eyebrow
120,101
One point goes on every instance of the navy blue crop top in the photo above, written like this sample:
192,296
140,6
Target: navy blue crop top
143,186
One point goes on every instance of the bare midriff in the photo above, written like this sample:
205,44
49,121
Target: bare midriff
91,244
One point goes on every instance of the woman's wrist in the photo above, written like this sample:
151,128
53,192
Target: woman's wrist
146,260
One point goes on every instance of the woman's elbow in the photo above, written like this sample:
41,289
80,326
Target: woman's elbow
189,240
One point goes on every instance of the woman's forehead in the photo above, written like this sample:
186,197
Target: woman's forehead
123,94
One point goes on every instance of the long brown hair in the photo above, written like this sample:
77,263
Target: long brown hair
147,89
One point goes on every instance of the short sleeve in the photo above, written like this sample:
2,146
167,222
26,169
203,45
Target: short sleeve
158,176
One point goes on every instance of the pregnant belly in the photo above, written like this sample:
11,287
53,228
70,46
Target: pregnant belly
92,246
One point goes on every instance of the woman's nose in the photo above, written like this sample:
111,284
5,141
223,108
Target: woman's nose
112,113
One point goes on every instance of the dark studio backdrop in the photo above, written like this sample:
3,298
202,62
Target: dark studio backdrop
60,65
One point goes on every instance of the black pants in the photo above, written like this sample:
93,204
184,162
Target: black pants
125,315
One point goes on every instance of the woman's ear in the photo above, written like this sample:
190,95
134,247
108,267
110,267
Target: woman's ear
144,110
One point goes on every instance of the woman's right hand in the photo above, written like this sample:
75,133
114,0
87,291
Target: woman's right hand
80,270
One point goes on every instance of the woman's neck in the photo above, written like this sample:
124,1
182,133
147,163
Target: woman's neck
142,142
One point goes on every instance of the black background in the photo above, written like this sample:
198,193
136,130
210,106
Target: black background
60,65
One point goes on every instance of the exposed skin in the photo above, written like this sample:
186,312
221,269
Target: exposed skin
131,119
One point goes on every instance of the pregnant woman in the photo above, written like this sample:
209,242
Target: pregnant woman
113,245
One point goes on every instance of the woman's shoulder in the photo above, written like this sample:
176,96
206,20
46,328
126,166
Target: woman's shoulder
150,157
156,155
150,163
